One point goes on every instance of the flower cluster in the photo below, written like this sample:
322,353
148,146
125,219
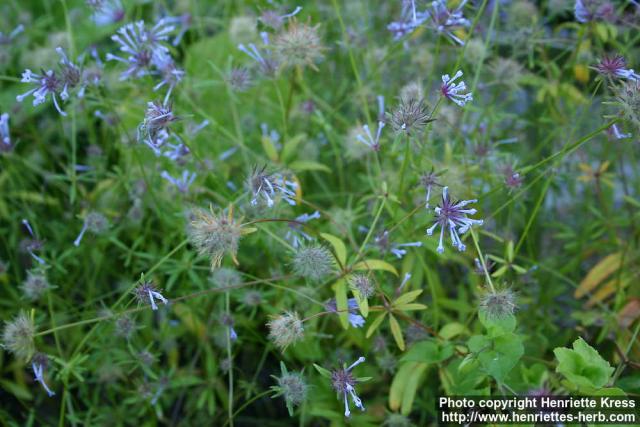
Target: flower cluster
451,215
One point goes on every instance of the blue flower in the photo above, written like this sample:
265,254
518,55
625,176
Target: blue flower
452,215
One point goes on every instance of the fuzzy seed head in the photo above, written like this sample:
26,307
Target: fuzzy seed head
285,329
17,336
293,387
35,285
226,277
239,79
362,284
313,262
628,98
96,222
252,298
299,45
409,117
498,304
125,327
215,235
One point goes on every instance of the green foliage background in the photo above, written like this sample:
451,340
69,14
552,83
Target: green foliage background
565,241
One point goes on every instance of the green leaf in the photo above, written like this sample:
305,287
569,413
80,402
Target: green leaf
583,365
324,372
376,324
396,332
452,330
375,264
497,326
305,165
407,297
428,352
341,303
409,392
269,148
400,385
289,147
363,303
497,355
410,307
338,246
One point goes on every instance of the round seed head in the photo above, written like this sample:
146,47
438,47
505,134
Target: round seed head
225,277
252,298
299,45
293,388
35,285
285,330
215,235
498,304
125,326
362,284
96,222
409,117
313,262
17,336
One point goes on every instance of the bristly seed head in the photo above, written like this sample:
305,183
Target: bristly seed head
363,284
498,304
285,329
410,117
313,262
35,285
17,336
215,235
299,45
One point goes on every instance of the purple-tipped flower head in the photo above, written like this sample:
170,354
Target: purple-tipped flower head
344,383
452,216
146,293
453,91
615,67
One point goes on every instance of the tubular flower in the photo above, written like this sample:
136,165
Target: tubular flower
452,214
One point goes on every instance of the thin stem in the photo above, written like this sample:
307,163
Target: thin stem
230,360
481,257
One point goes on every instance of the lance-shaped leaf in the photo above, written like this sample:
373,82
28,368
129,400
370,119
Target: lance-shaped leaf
375,264
338,247
396,332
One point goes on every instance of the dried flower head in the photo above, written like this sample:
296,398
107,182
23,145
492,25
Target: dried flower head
215,235
313,262
506,72
428,180
125,326
292,386
285,329
628,99
299,45
226,277
35,285
363,284
239,79
17,336
410,117
498,304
